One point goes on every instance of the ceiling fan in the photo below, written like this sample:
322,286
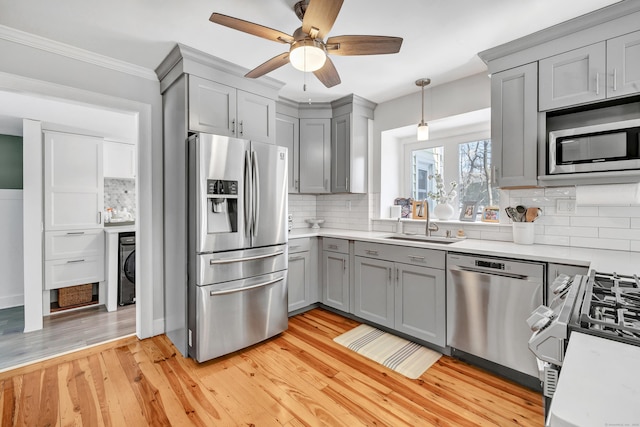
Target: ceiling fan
308,51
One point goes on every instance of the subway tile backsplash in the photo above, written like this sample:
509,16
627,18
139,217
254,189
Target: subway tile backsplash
592,226
119,194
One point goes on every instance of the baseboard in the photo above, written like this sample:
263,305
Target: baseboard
11,301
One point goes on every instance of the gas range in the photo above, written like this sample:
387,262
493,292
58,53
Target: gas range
606,305
611,308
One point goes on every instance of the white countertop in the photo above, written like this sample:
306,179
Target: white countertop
599,384
119,228
609,261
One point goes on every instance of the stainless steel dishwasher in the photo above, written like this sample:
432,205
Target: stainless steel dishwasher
488,302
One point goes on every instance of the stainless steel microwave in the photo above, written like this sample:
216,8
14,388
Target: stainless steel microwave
611,146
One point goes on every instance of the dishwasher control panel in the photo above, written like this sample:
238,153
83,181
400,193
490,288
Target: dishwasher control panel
490,264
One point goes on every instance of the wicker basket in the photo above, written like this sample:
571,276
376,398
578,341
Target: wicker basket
75,295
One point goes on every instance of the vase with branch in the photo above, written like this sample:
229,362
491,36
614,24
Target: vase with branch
443,209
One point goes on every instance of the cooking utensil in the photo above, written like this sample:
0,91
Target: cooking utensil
510,212
532,214
521,211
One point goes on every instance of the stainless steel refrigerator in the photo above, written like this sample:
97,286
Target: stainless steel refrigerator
237,235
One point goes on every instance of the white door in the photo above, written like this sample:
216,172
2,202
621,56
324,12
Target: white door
73,182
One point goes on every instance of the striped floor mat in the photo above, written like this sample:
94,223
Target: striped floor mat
405,357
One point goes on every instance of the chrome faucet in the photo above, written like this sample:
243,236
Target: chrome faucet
429,227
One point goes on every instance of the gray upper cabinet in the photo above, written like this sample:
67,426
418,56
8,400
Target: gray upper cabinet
600,71
315,155
223,110
340,153
514,126
574,77
623,65
288,135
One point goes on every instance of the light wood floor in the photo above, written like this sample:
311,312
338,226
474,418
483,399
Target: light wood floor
300,378
61,332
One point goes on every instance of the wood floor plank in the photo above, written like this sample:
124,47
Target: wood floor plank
299,378
120,390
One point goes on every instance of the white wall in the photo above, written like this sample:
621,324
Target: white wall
11,259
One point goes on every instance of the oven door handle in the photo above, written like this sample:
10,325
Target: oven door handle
251,258
232,291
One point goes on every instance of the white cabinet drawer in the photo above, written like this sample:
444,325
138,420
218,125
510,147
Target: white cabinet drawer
302,244
61,273
432,258
335,245
73,244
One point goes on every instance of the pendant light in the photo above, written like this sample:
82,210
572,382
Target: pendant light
423,128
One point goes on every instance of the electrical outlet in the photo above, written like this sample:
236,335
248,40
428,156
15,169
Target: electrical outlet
565,206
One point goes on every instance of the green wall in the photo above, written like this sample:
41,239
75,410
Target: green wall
10,162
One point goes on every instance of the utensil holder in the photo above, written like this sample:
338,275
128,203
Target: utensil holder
523,233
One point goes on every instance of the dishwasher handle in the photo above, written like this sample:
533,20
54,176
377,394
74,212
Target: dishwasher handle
492,273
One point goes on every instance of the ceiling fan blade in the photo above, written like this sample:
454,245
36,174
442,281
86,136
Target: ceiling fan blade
320,14
328,74
363,45
251,28
269,66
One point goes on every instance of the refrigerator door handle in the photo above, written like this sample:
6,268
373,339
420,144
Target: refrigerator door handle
256,193
259,285
248,179
232,260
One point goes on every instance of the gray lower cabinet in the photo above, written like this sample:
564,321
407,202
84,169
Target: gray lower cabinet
374,290
335,273
401,288
300,274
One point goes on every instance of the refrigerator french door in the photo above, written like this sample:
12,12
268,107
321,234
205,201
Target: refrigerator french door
237,209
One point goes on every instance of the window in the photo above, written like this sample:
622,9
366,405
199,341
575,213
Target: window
474,183
424,163
464,159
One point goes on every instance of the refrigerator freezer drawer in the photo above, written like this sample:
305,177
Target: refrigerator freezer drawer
235,265
234,315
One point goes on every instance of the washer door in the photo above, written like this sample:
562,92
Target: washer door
129,267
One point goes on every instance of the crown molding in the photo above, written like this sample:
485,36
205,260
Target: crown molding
66,50
563,29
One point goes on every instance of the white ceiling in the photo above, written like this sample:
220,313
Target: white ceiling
441,37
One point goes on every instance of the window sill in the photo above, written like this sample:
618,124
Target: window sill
439,221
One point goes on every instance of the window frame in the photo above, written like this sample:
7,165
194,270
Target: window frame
451,157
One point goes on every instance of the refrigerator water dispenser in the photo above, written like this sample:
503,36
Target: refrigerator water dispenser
222,199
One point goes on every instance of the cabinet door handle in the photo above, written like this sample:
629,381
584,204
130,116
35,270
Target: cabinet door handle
597,83
494,175
333,247
99,217
344,265
296,258
370,252
241,128
233,126
294,247
416,258
75,233
397,277
615,79
295,184
346,183
326,182
389,276
75,260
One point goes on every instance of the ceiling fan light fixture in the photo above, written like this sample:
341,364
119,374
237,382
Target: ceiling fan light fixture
423,127
308,55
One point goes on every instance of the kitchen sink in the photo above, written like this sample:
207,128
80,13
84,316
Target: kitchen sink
425,239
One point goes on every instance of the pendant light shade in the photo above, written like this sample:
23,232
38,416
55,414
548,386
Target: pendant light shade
423,128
